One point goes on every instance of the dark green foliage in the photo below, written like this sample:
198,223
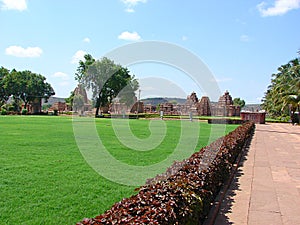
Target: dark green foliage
107,81
239,102
70,99
23,86
55,112
24,111
283,94
3,93
3,112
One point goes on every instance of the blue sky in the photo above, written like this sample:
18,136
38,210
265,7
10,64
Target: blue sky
242,42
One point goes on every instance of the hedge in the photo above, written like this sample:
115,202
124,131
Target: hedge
185,193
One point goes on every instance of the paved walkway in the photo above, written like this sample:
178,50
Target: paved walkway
266,188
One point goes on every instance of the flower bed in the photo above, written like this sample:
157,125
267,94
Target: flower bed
185,192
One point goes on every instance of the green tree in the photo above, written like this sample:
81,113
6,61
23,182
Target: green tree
283,94
239,102
83,67
69,100
27,86
3,93
106,80
127,94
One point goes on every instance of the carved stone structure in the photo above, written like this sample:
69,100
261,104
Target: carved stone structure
225,107
167,108
204,107
60,106
138,107
79,90
191,105
148,108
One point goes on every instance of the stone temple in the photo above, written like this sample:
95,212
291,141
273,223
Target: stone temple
225,107
204,107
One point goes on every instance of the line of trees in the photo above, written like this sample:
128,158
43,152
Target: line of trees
23,87
107,81
282,98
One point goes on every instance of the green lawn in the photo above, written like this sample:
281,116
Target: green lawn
45,180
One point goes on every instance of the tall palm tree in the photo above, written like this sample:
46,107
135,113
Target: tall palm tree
284,91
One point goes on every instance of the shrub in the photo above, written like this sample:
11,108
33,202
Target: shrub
55,112
3,112
185,192
24,111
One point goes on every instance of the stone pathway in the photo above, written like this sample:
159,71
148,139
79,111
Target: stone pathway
266,188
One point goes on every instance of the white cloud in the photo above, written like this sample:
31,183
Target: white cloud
244,38
87,40
132,3
61,75
134,36
19,51
280,7
14,5
79,55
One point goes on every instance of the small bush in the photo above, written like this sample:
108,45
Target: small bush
24,111
3,112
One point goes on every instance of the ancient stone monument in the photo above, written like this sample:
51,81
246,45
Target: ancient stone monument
204,107
225,106
80,91
138,107
167,108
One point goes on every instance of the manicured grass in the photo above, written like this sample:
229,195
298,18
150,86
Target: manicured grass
45,180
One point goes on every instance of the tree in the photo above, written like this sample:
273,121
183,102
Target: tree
3,94
27,86
239,102
83,67
283,94
106,80
127,94
69,100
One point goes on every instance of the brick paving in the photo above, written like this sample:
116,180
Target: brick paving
266,187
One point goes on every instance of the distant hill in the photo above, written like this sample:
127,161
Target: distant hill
53,100
252,107
160,100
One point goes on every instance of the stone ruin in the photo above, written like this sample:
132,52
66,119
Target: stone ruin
80,91
224,107
167,108
138,107
204,107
